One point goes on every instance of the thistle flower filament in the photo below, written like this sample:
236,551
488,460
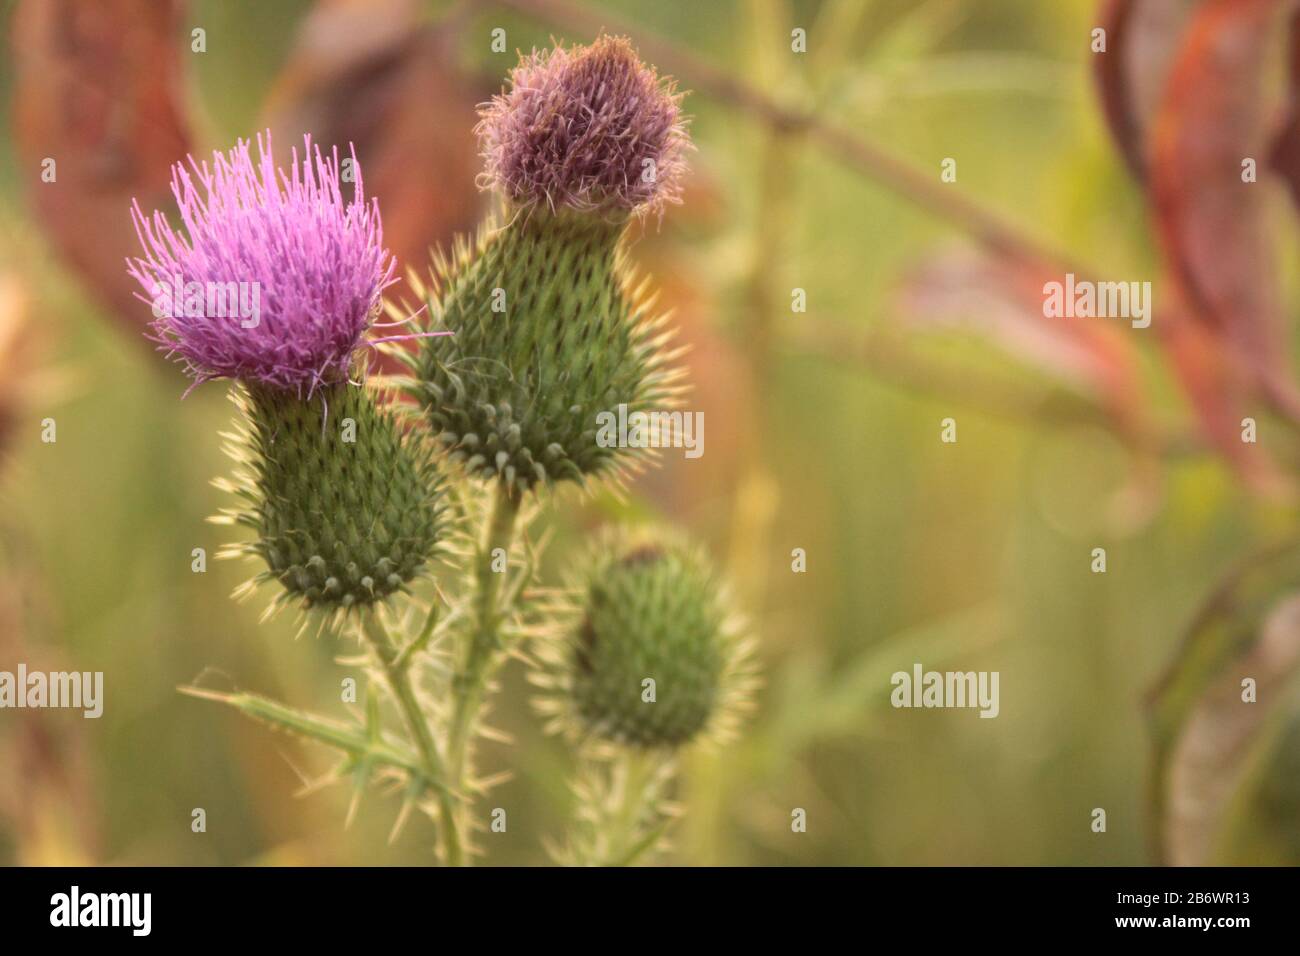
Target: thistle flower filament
319,264
588,128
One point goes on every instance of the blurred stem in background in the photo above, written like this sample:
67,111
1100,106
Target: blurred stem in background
917,186
757,495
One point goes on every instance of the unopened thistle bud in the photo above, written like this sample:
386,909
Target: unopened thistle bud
653,657
344,504
346,507
550,328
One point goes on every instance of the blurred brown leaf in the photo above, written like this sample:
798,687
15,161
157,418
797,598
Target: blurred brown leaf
1203,732
28,380
1215,388
1212,225
1275,813
721,388
368,72
97,91
1285,154
1002,300
1211,757
1142,37
17,348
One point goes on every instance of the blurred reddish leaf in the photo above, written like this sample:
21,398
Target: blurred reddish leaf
1211,224
1142,37
1180,89
96,91
17,354
1285,155
721,388
1003,300
368,72
1214,386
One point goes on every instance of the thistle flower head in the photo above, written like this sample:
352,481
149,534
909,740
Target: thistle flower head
348,510
652,657
305,268
587,128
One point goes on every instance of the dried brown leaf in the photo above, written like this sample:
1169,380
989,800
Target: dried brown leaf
97,91
1212,225
1142,38
369,73
1212,755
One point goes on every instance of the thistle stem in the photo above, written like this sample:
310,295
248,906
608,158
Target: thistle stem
480,658
625,818
396,666
636,773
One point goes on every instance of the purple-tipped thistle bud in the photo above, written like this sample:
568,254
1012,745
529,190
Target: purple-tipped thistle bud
551,330
587,128
273,282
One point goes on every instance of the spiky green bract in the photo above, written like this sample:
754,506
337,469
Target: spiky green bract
549,332
346,507
650,608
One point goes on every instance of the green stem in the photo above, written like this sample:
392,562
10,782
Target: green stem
396,668
480,656
625,817
634,835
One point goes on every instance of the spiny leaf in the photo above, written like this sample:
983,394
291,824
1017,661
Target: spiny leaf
350,739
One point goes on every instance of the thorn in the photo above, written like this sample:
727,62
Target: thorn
372,724
413,789
495,735
485,784
360,777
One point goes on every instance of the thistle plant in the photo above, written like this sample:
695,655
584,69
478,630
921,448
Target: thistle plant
530,332
344,505
649,658
652,619
551,327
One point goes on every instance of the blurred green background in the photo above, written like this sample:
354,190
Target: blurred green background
974,555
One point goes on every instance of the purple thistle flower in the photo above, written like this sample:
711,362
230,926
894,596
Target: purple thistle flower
588,128
306,270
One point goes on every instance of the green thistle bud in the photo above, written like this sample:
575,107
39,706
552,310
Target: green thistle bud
653,658
550,328
346,507
549,333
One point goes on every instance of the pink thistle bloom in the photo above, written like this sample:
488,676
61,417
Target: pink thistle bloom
273,279
590,128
